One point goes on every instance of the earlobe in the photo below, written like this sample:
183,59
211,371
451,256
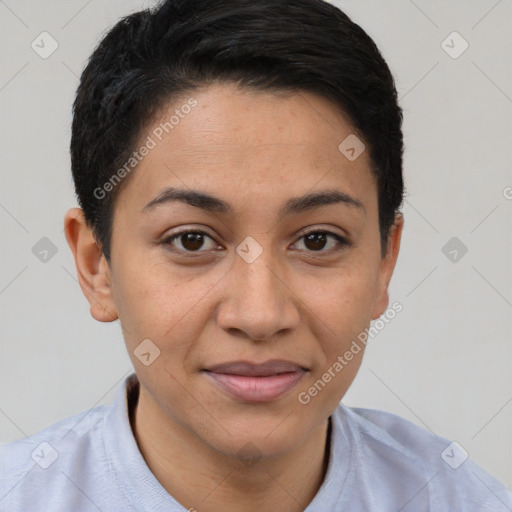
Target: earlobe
92,268
387,266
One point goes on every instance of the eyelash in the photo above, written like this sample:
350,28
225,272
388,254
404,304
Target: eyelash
341,241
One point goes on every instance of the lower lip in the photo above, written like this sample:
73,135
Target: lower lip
256,389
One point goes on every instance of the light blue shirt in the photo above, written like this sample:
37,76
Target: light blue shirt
378,462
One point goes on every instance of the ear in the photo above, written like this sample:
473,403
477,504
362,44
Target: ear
92,267
387,266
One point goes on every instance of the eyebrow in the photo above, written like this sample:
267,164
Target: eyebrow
293,206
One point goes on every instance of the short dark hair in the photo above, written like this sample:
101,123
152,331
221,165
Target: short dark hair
153,56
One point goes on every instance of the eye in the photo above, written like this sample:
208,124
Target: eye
316,241
190,241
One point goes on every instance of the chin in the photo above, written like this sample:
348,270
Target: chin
252,440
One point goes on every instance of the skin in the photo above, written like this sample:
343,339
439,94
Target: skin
297,301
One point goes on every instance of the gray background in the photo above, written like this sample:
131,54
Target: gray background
444,362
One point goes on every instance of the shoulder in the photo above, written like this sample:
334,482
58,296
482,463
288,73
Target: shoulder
42,460
437,467
397,433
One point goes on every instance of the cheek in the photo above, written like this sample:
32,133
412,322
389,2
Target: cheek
161,305
343,307
344,300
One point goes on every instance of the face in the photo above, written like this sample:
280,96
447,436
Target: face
249,298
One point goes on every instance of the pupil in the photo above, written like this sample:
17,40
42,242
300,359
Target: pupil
318,240
192,241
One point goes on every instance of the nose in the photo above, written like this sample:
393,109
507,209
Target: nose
259,301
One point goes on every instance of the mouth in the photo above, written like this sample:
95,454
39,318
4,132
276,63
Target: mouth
256,382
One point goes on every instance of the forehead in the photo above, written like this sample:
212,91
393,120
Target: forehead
244,145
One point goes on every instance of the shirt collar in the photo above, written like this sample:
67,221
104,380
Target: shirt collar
132,473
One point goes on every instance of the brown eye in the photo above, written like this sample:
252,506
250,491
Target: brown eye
190,241
195,241
316,241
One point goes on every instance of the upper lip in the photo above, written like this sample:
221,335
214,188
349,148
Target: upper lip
264,369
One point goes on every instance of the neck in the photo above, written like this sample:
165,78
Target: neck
202,479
